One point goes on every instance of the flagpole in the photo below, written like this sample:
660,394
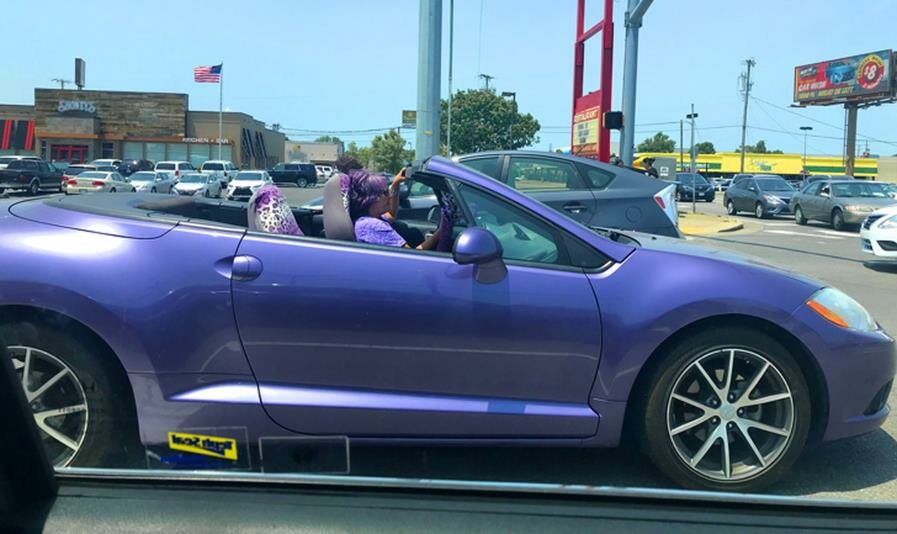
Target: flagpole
220,105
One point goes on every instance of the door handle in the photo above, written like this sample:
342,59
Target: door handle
574,207
246,268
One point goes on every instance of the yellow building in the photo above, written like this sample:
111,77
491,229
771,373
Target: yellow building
785,165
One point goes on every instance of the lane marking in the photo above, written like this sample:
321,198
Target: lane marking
815,236
837,233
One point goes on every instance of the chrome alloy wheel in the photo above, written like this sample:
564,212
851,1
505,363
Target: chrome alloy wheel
730,415
57,400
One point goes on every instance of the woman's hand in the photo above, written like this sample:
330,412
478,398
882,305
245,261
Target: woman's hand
398,179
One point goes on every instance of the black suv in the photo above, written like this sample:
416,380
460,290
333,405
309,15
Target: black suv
301,174
130,166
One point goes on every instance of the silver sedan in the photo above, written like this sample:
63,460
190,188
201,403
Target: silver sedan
153,181
207,185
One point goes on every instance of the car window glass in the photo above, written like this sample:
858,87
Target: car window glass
523,237
489,166
597,178
825,190
420,189
537,174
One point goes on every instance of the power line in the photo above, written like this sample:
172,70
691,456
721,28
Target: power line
773,119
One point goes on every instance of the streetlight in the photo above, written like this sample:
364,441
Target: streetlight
694,192
513,96
805,129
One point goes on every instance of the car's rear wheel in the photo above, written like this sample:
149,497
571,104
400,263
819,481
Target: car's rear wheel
112,190
82,411
728,410
34,188
837,220
730,207
301,182
799,215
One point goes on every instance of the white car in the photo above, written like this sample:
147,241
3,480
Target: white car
5,160
105,162
177,168
878,233
98,182
324,172
246,183
225,170
152,181
197,183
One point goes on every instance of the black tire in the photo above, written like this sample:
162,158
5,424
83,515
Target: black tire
153,190
730,207
759,211
651,402
799,215
111,438
838,220
112,190
301,182
34,188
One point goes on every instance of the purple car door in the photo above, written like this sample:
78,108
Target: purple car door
358,340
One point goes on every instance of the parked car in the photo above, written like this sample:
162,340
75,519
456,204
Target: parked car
246,183
195,183
175,167
690,185
301,174
224,170
74,170
152,181
6,160
130,166
528,329
106,163
593,193
31,176
764,195
890,189
878,233
820,177
98,182
324,172
721,184
841,203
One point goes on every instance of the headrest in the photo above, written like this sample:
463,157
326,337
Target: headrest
337,222
268,211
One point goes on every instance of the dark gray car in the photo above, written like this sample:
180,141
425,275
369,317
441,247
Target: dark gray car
764,195
593,193
840,202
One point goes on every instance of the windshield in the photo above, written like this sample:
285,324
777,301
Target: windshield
375,309
859,189
771,184
685,178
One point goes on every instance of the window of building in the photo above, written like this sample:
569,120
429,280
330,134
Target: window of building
132,150
107,150
43,149
177,151
198,154
155,151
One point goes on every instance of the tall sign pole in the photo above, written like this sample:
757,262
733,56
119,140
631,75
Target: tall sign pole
220,108
429,57
589,137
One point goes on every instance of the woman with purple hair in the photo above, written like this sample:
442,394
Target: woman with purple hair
372,201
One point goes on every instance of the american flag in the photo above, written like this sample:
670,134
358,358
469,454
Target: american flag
207,74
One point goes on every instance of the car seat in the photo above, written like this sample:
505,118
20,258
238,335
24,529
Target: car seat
337,222
268,211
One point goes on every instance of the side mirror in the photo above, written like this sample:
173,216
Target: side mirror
479,247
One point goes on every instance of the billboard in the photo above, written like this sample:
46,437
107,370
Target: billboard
856,78
409,118
585,131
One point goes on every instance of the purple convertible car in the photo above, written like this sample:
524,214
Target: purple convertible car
171,325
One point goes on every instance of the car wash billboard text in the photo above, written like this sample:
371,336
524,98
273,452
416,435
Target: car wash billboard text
862,77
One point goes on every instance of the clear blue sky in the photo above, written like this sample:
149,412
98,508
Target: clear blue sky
350,65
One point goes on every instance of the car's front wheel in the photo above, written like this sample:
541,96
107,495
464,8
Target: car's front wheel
727,410
80,407
34,188
837,220
759,212
301,182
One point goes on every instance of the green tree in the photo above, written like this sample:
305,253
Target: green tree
705,147
362,154
483,120
661,142
759,148
388,153
328,139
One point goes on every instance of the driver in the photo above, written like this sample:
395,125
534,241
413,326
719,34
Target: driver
373,203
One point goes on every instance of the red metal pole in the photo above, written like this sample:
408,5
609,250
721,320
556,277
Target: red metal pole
578,60
607,69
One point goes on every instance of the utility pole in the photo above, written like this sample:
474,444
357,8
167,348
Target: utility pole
805,129
429,57
448,129
681,146
61,82
747,95
851,141
694,192
487,78
635,11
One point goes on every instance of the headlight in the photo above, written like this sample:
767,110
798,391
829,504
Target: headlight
774,199
889,223
839,308
859,209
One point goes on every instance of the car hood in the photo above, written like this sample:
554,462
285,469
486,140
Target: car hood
683,247
869,202
189,185
246,183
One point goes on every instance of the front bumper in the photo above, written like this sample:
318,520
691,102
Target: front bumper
858,369
777,208
879,243
851,217
708,195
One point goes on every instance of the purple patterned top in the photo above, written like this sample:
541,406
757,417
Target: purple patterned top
377,232
269,212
